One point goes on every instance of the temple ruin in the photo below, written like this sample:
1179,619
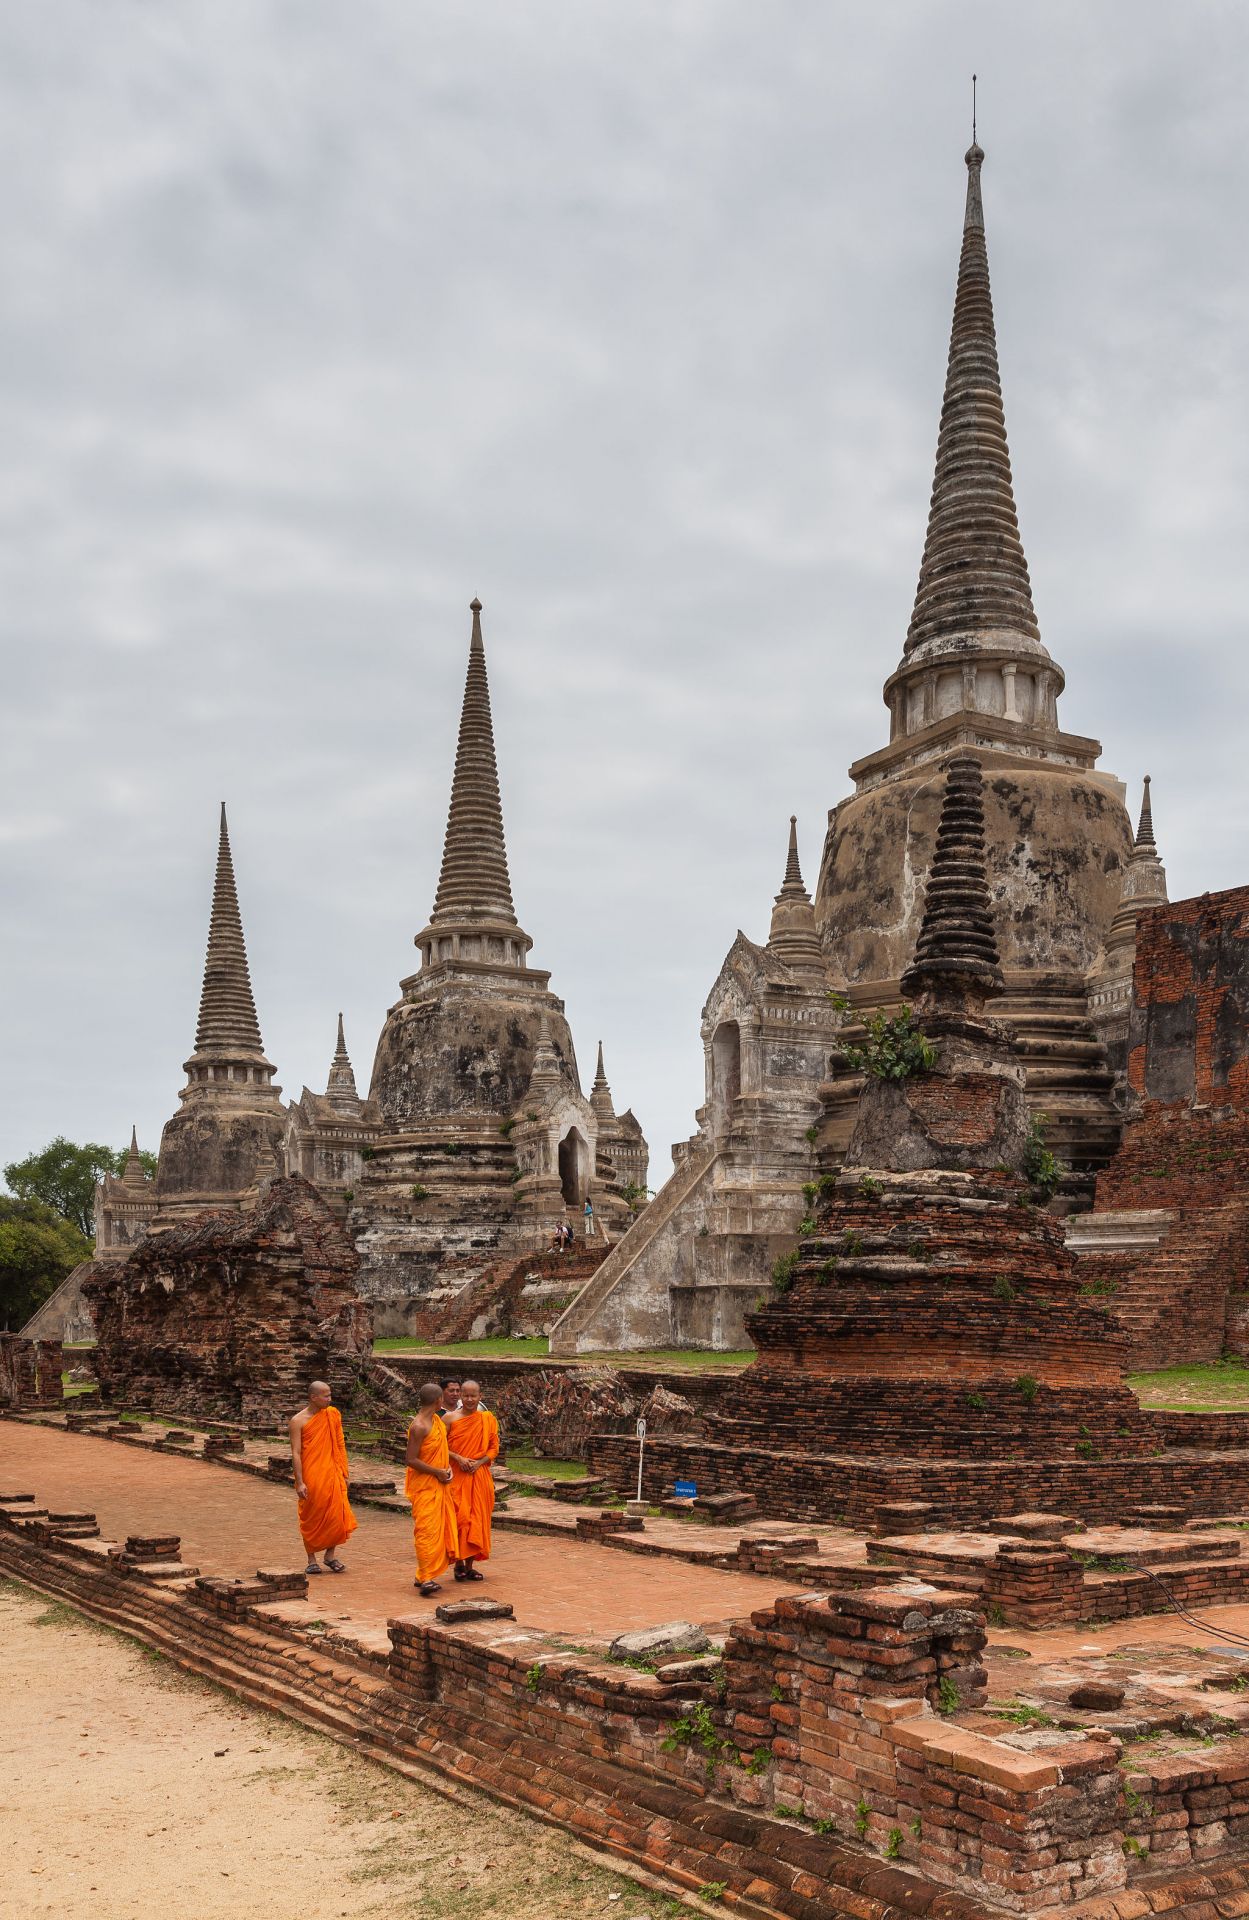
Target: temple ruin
1067,878
486,1141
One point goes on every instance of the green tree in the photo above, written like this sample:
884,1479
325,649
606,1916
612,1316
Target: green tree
65,1176
37,1249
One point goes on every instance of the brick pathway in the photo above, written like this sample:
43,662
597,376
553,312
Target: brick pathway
230,1523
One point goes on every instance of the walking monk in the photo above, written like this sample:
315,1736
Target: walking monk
428,1487
473,1439
320,1456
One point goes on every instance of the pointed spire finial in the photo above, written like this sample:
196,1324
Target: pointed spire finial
793,872
974,589
340,1088
1145,827
973,109
474,885
956,956
132,1174
227,1026
600,1092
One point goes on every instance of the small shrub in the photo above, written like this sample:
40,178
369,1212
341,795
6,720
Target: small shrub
1021,1715
823,1826
825,1274
811,1135
1133,1846
451,1148
505,1127
784,1267
368,1153
917,1828
995,1616
349,1194
917,1250
827,1186
778,1692
868,1187
1087,1450
862,1819
809,1193
806,1228
531,1113
1002,1288
853,1244
1026,1387
894,1048
533,1678
947,1695
703,1231
713,1889
977,1402
419,1192
1102,1285
784,1811
1040,1168
893,1845
518,1176
759,1761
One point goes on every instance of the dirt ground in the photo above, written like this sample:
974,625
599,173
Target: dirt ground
133,1791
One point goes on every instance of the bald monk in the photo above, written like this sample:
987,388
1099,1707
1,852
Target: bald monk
320,1456
428,1487
473,1439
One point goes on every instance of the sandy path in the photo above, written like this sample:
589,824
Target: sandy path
131,1791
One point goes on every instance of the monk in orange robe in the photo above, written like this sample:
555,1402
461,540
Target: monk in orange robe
320,1456
473,1438
428,1487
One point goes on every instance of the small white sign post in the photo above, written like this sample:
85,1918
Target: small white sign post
641,1451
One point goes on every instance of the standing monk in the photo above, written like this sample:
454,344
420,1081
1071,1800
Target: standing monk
320,1456
474,1442
428,1487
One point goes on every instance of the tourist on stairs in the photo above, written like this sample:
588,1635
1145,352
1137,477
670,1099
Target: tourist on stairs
320,1456
428,1487
473,1440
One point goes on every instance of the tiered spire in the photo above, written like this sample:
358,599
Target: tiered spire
228,1031
340,1089
545,1075
956,956
474,882
793,937
973,579
1145,826
132,1174
600,1092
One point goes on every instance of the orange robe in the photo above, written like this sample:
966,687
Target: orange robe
433,1509
470,1436
325,1517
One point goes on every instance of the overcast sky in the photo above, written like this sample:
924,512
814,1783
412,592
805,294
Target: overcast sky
318,319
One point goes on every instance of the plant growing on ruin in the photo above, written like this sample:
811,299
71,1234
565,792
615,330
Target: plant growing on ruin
916,1250
784,1267
778,1692
368,1153
785,1812
1002,1288
947,1695
893,1048
853,1244
419,1192
1040,1168
451,1148
349,1194
1133,1846
870,1189
811,1135
1026,1387
823,1826
977,1402
703,1231
759,1761
1020,1714
825,1274
893,1845
862,1819
809,1192
634,1196
917,1827
505,1127
1087,1450
713,1889
533,1678
806,1227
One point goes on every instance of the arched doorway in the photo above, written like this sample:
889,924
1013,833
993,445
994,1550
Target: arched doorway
574,1168
726,1074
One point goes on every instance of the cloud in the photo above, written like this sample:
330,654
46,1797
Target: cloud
632,320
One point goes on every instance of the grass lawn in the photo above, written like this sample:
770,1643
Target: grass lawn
518,1462
1222,1386
681,1359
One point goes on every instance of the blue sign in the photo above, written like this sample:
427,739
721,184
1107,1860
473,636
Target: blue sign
686,1490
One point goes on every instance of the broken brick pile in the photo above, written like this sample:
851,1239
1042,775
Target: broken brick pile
1184,1157
233,1314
